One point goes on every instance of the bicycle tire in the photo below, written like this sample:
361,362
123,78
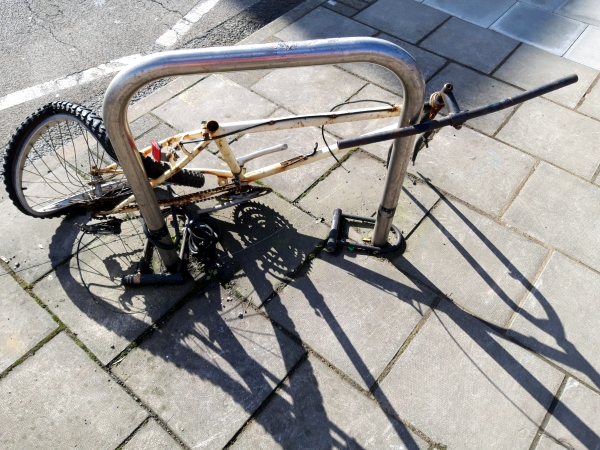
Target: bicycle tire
52,154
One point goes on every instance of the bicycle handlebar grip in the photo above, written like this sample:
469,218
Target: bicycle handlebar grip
335,230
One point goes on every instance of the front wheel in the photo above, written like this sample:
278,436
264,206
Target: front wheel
61,157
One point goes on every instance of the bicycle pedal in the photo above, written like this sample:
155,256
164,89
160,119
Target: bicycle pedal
112,226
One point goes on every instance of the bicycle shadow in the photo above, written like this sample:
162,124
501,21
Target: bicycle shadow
250,236
239,375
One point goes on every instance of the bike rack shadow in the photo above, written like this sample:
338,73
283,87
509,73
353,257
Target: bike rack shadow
255,378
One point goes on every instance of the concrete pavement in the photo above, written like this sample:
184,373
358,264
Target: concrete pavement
481,335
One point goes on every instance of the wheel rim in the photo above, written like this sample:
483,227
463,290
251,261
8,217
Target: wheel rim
54,170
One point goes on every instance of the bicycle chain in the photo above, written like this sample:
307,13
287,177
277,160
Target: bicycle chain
182,200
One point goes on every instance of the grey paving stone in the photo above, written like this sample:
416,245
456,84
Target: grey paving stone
60,398
548,5
558,318
477,169
586,49
143,124
587,11
591,104
547,443
576,419
353,129
322,23
315,409
353,309
548,67
472,90
359,192
479,12
151,436
158,97
356,4
484,267
162,131
23,235
464,385
565,216
341,8
470,44
246,79
555,134
543,29
207,370
405,19
87,295
266,240
24,322
300,141
305,90
427,62
214,98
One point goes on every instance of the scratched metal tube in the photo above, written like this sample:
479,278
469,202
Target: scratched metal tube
255,57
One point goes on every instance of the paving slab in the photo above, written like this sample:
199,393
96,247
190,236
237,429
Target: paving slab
591,104
87,294
427,62
161,131
353,129
479,12
558,318
305,90
575,421
160,96
555,134
470,44
142,125
24,322
548,5
208,369
472,90
354,310
467,387
300,141
150,436
60,398
315,408
214,98
477,169
548,67
587,11
538,27
484,267
266,240
322,23
405,19
547,443
586,49
340,8
359,193
23,235
566,216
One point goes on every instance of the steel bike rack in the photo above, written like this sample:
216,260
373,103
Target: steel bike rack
255,57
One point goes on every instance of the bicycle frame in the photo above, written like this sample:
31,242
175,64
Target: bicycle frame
254,57
214,132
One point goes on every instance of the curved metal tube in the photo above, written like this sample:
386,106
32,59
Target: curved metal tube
254,57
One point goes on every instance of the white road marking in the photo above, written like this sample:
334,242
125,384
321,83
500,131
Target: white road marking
39,90
181,28
168,39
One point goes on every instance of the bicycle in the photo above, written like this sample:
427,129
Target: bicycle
61,157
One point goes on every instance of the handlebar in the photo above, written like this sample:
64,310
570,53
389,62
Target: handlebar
456,119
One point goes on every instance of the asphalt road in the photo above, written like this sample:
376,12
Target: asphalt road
49,44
